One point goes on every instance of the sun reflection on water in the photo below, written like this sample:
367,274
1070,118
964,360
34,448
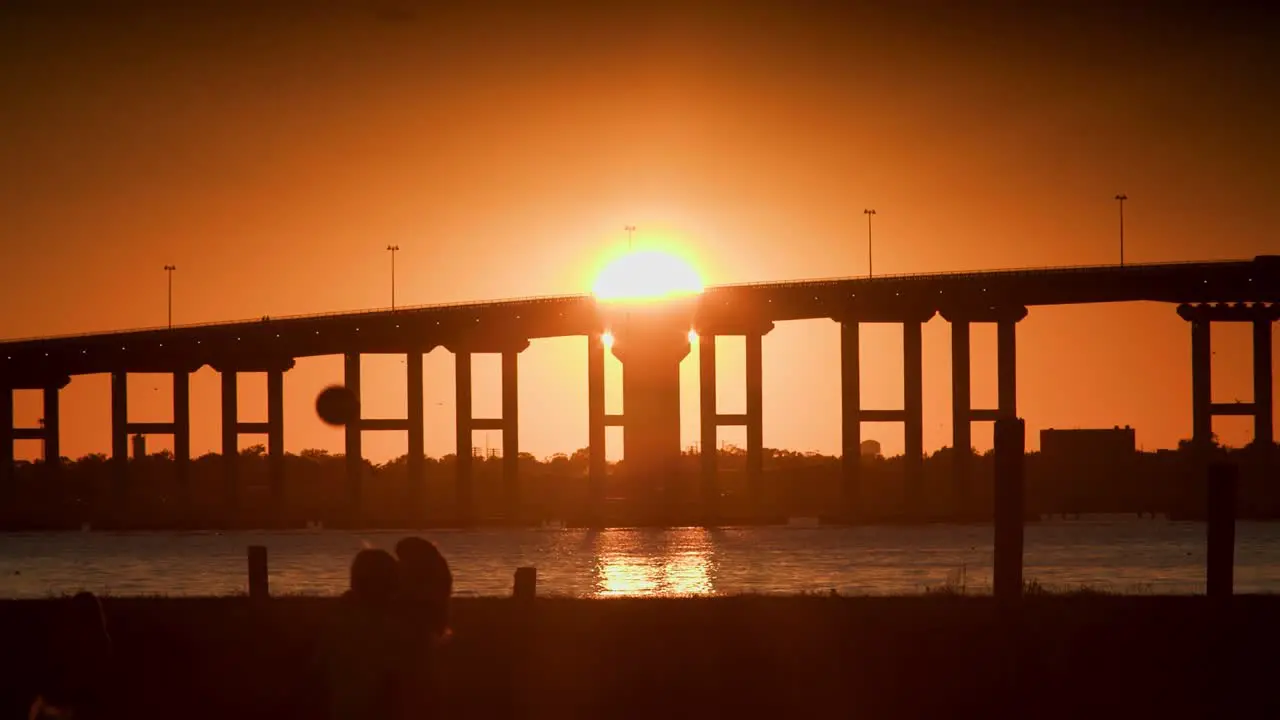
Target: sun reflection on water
632,563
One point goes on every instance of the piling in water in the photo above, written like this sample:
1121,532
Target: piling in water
258,589
526,584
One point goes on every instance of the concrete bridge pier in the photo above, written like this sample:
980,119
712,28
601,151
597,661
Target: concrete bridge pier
52,431
49,432
1263,393
850,420
122,429
182,436
353,450
596,423
963,414
416,462
708,437
1203,409
7,436
961,409
913,407
755,414
119,443
711,419
413,424
233,428
650,349
911,415
508,424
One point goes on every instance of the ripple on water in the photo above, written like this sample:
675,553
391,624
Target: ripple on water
1122,556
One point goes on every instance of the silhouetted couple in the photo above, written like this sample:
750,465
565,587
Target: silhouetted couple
377,655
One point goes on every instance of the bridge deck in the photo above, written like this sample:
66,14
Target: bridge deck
720,309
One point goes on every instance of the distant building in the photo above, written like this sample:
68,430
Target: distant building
1090,470
139,446
870,448
1089,446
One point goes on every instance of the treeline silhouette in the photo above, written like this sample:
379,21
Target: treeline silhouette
794,484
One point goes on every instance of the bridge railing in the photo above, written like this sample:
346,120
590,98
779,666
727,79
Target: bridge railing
480,304
540,299
961,274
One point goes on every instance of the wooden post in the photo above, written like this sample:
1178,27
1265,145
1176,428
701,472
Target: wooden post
526,586
1220,558
258,589
1010,439
522,674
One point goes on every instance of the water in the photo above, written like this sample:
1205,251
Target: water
1131,556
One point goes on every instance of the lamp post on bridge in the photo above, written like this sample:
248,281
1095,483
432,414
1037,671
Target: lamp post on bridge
869,213
169,269
1121,198
393,249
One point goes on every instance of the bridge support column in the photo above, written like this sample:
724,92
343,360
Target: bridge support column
711,420
416,463
1203,409
1263,395
508,425
963,413
650,356
755,416
412,424
182,437
1201,384
597,466
230,443
119,443
913,404
911,415
7,473
352,441
275,438
463,508
1007,365
52,432
961,404
232,428
708,453
511,434
850,418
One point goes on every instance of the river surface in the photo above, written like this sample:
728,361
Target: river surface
1118,555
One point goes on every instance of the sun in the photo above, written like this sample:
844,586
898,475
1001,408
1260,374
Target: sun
647,275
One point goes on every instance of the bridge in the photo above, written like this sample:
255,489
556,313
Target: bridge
650,339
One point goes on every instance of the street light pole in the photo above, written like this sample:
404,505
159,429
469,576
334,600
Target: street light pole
1121,198
169,269
869,212
393,249
630,229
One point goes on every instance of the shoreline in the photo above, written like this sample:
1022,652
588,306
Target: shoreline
742,656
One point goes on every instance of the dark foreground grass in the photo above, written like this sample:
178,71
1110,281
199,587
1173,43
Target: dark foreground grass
934,656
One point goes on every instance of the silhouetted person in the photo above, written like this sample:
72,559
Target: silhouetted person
76,683
364,651
426,584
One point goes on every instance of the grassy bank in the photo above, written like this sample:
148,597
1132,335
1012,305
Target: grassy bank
932,656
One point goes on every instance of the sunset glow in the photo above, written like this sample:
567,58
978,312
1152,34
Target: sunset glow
647,275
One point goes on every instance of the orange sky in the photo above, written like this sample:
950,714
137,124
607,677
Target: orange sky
272,154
